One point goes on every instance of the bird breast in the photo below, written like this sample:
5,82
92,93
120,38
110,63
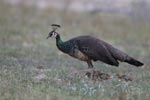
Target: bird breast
79,55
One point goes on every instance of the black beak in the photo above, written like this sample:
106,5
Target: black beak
47,37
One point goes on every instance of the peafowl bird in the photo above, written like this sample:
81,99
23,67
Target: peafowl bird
89,48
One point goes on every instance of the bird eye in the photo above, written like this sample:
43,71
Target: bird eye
54,33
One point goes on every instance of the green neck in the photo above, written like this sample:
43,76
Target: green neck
63,46
59,42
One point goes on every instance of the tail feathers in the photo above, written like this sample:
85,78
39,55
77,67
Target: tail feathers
133,61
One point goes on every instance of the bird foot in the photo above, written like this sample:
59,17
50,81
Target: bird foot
97,75
91,74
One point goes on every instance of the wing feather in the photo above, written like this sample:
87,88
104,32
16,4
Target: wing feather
95,49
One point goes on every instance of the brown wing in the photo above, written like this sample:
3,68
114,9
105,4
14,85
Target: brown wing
95,49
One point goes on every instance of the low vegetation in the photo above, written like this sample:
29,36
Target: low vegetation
31,67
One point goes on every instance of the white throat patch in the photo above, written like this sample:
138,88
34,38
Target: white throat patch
54,34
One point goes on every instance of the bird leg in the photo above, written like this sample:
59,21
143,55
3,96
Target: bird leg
90,72
90,65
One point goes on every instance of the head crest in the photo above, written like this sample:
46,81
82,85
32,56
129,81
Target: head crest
55,26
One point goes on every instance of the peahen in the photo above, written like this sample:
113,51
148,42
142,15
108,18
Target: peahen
89,48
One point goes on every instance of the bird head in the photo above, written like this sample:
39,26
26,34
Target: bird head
53,33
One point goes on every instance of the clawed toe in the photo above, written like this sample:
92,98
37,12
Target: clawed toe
97,75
